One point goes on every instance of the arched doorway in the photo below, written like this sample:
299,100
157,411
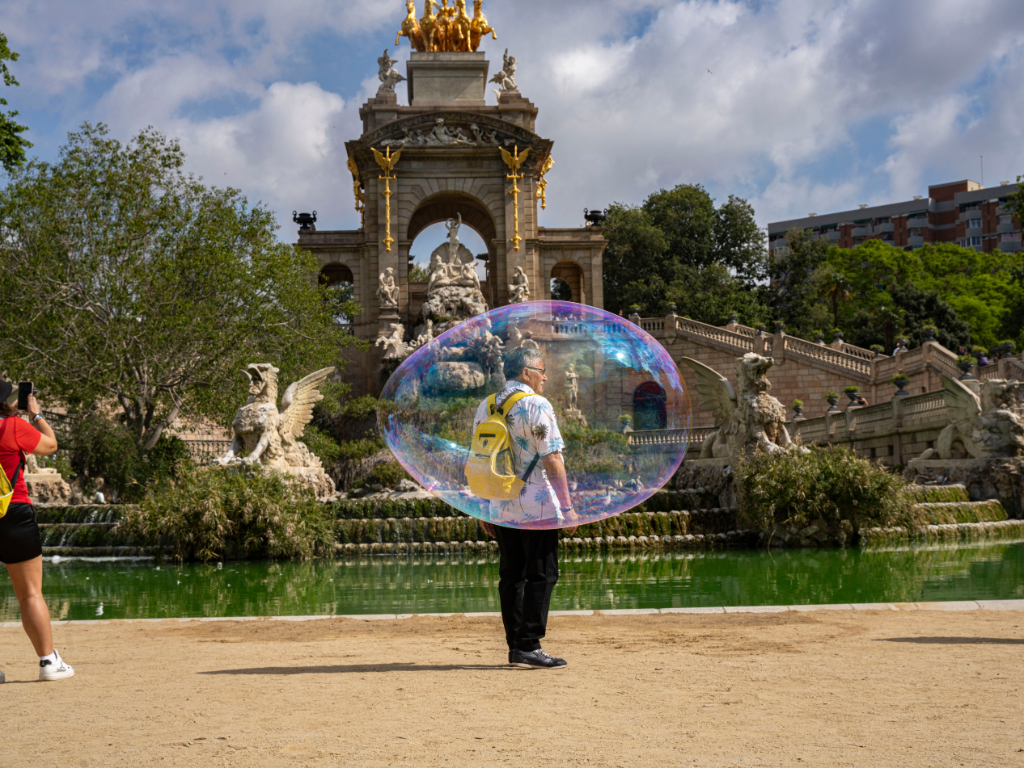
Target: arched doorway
427,230
571,274
649,411
341,292
560,290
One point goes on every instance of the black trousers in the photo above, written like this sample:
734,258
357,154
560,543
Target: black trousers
527,575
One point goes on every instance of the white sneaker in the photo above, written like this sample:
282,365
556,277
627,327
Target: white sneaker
49,670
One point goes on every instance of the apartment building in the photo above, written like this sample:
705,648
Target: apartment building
961,212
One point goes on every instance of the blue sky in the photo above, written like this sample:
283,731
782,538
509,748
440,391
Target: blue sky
809,105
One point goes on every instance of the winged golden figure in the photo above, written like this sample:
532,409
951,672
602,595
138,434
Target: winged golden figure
514,161
745,419
262,433
386,162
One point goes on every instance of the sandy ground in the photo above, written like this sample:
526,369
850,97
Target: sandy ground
832,688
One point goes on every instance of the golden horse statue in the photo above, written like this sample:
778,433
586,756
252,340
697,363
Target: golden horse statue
428,26
460,28
479,26
411,28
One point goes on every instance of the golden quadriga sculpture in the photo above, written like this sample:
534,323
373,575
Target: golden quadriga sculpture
444,28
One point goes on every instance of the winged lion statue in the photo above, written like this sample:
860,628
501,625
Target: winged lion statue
264,434
745,419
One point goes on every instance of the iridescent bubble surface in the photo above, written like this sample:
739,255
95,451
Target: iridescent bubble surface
620,426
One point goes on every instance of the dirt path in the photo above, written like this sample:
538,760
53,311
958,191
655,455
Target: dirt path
832,688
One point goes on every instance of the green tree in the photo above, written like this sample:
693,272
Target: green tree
834,285
12,143
130,284
659,253
792,297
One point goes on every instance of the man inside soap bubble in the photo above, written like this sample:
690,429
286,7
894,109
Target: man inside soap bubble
603,423
528,570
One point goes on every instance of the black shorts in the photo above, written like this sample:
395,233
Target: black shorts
19,534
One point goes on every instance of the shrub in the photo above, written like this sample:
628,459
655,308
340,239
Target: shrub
877,348
979,351
1008,344
798,404
100,447
851,390
829,487
965,360
900,380
831,395
232,512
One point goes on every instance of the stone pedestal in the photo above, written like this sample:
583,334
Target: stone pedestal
48,489
452,80
575,414
985,479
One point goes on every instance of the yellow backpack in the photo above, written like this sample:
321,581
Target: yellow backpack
7,486
490,470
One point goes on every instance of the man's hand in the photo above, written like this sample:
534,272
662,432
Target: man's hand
489,529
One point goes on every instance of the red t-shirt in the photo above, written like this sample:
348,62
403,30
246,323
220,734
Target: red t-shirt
17,436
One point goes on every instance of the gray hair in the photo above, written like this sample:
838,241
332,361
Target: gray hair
518,359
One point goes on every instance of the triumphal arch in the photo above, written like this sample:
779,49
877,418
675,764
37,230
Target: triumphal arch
448,156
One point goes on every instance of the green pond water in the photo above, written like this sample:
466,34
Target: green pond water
442,584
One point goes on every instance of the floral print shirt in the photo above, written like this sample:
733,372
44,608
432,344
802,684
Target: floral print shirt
535,434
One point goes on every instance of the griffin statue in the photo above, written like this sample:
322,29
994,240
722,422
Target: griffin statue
983,427
263,434
745,420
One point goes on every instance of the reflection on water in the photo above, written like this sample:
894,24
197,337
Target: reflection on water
442,584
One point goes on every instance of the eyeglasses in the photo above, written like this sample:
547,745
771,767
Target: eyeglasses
541,371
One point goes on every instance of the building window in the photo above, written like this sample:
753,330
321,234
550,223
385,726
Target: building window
974,223
1010,237
969,207
975,241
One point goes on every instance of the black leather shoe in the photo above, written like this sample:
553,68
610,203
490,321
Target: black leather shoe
534,660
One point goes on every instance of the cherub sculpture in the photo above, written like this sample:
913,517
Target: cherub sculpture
506,78
983,427
270,436
388,75
746,420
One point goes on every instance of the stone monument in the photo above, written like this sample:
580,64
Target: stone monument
572,396
446,165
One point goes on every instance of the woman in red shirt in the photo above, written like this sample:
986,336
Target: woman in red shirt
20,547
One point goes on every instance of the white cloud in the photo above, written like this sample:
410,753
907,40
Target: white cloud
623,87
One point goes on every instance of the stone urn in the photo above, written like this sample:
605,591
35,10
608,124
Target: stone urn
819,338
901,387
780,327
837,336
965,366
853,396
799,410
929,333
832,404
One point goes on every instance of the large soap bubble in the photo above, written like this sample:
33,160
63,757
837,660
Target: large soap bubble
613,389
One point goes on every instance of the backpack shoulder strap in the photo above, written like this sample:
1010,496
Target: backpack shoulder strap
21,464
511,400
